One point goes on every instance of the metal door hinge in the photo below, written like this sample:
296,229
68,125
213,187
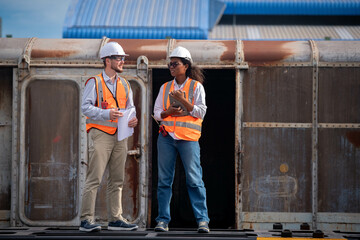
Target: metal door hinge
136,152
142,68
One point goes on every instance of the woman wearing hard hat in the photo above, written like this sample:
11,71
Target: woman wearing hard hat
180,106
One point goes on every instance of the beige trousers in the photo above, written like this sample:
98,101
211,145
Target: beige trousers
104,150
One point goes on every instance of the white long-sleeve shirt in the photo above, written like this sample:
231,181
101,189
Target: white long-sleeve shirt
90,95
200,107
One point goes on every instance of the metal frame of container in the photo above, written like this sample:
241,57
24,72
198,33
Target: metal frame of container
77,59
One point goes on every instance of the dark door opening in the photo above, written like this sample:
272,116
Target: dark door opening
217,155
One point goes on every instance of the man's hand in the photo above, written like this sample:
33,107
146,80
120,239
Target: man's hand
133,122
115,114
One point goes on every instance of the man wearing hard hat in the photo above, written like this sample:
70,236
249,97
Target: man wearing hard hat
105,97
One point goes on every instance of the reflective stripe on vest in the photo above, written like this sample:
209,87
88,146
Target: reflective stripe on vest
182,124
108,126
184,127
103,123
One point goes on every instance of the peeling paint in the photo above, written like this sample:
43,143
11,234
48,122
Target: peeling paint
38,53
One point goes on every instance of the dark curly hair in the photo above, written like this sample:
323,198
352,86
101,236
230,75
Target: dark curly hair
193,71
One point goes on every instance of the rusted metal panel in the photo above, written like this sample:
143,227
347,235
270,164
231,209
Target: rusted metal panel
11,50
259,53
296,115
153,49
74,51
52,150
278,94
339,182
339,98
66,49
210,52
341,51
339,147
5,143
204,52
276,170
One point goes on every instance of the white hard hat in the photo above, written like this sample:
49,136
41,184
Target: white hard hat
181,52
112,48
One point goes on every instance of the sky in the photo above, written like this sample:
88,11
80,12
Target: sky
33,18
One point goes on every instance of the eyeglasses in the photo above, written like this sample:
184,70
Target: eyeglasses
173,64
118,58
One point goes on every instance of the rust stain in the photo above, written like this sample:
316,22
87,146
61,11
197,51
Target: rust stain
38,53
354,138
153,49
132,171
156,49
251,226
229,54
265,52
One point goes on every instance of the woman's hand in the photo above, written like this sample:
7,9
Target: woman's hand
172,111
178,95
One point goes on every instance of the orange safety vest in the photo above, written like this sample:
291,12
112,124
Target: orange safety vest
184,127
106,100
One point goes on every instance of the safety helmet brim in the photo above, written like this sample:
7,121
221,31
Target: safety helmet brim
181,52
112,49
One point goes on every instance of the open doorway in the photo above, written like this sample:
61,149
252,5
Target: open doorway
217,155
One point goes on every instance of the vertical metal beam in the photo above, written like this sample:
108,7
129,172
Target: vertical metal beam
314,158
15,152
170,47
83,146
104,41
238,123
142,68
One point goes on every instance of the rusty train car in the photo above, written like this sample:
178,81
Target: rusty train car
280,141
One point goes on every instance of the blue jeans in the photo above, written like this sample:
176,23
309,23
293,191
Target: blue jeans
190,155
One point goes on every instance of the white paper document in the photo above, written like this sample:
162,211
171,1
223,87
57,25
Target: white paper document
124,130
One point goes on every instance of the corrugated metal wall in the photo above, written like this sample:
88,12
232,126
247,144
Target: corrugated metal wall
294,7
136,19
